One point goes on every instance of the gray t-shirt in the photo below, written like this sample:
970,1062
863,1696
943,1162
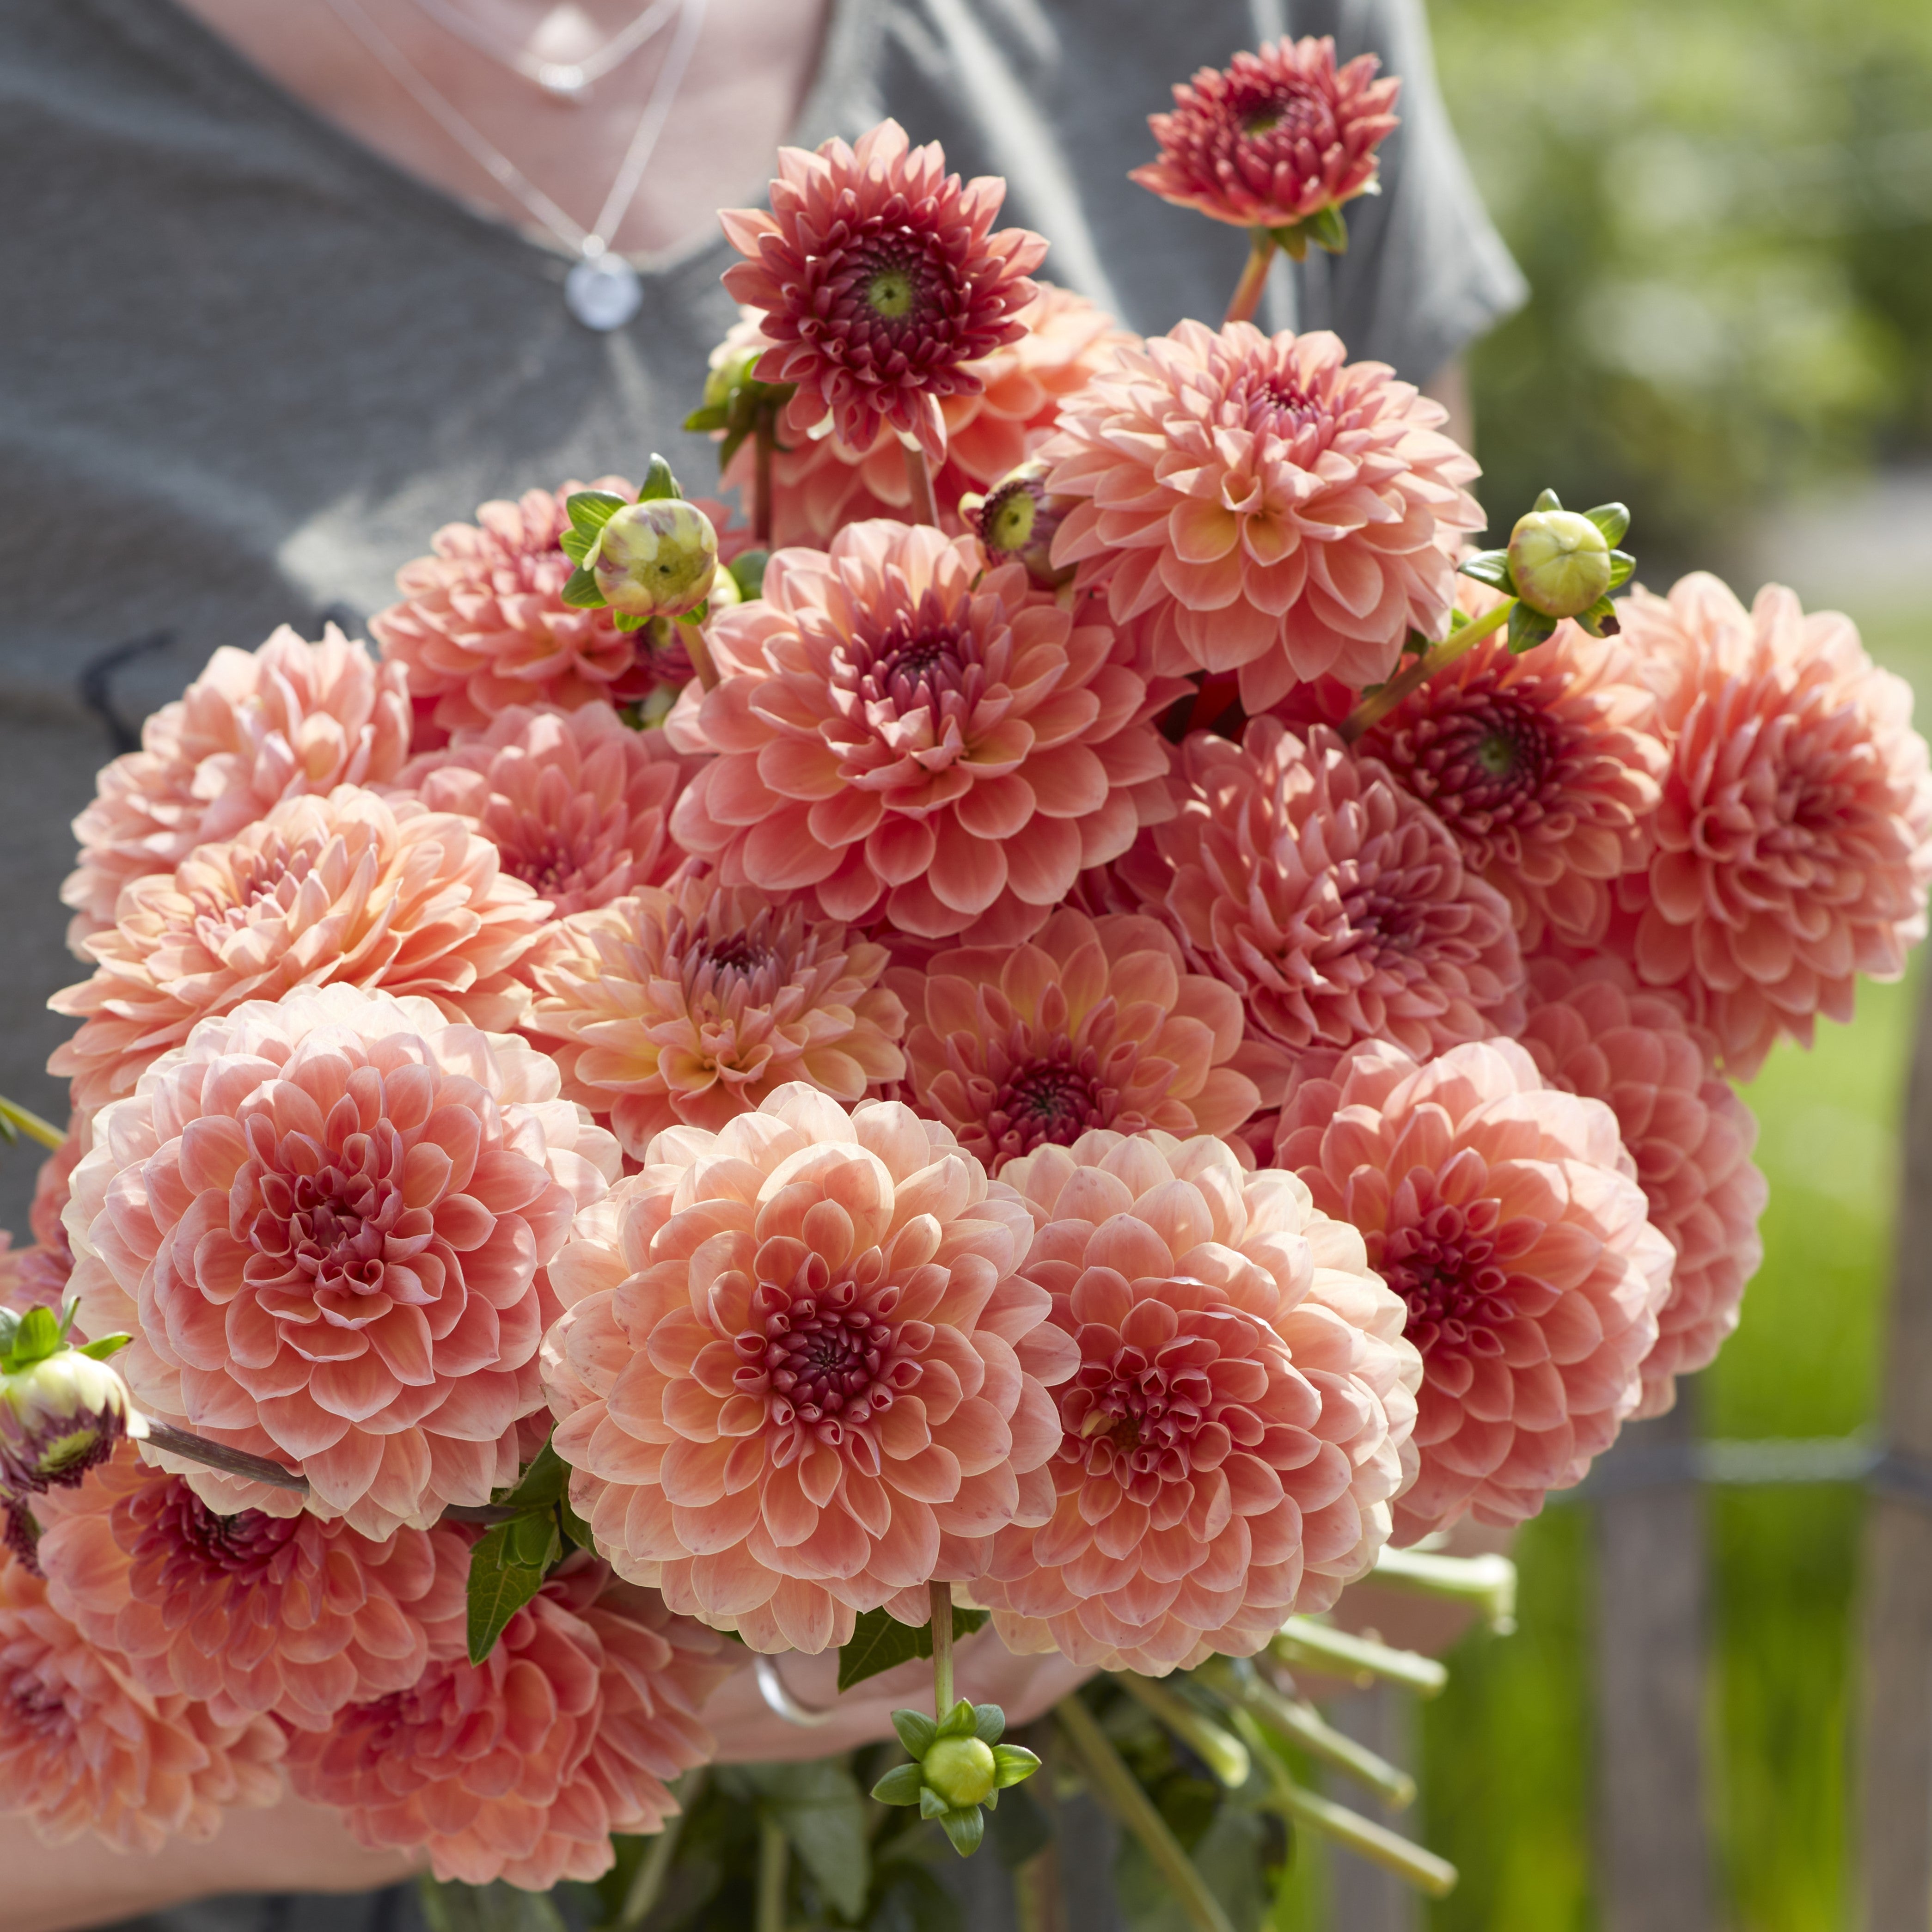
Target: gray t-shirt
247,367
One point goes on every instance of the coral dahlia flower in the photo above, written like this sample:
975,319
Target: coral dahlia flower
33,1277
1095,1024
1340,909
693,1003
324,1222
1794,840
246,1613
1276,137
254,728
521,1767
348,888
909,735
881,282
1232,1437
1504,1214
80,1750
799,1376
1281,512
1592,1029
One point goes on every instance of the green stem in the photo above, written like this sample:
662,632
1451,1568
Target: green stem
1247,296
1119,1791
764,437
1226,1757
31,1125
774,1862
942,1650
924,504
1296,1718
1488,1581
1322,1647
1378,704
647,1885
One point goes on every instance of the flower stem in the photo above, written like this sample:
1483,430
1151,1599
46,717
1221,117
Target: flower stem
1119,1791
22,1121
1378,704
1488,1581
654,1867
1321,1647
774,1860
219,1456
1296,1718
924,504
764,437
1247,296
699,651
1226,1757
942,1649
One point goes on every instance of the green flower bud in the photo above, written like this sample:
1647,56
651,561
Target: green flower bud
59,1416
657,559
1560,562
1016,521
961,1770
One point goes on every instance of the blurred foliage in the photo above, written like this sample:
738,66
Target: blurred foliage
1724,209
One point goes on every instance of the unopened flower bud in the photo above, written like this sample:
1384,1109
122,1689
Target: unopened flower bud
962,1771
656,558
58,1416
1016,521
1560,561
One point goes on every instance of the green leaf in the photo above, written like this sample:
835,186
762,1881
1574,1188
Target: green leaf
1528,629
576,544
821,1810
1612,519
989,1723
965,1828
879,1641
900,1786
574,1526
37,1337
499,1586
534,1540
624,621
916,1730
1622,566
1328,230
712,416
1490,567
108,1345
659,481
590,510
1548,500
748,572
581,592
1013,1763
10,1327
543,1483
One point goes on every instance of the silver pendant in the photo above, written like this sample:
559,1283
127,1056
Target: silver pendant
603,292
562,81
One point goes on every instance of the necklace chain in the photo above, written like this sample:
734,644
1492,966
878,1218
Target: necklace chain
571,79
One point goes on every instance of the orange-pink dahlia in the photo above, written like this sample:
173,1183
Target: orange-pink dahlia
1280,512
1275,137
1231,1440
1793,844
350,888
1338,908
325,1223
80,1750
1505,1215
254,728
902,731
1592,1029
881,283
246,1613
799,1376
693,1003
521,1767
34,1276
1094,1024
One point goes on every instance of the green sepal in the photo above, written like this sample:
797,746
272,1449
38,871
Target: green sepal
659,481
961,1721
108,1345
747,573
499,1586
1013,1763
1491,567
625,621
581,592
930,1804
590,510
1612,519
917,1732
1623,566
1527,627
576,544
1293,240
712,416
10,1327
989,1722
965,1828
1328,230
900,1786
1547,499
37,1337
696,614
1600,620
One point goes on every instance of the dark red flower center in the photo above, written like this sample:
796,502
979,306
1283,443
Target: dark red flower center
31,1707
1131,1418
740,953
1288,112
196,1539
825,1360
922,661
1046,1100
1446,1268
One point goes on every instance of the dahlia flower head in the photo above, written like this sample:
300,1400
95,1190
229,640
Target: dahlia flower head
1275,510
1274,138
1545,765
881,283
254,728
800,1375
820,484
1298,872
349,888
1793,841
1093,1023
1505,1215
32,1276
521,1767
1236,1428
81,1750
247,1614
1594,1030
325,1223
690,1004
906,734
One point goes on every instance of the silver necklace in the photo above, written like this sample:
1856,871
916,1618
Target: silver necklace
602,290
567,80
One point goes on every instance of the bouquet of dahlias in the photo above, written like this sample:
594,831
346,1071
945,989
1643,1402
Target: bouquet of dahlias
1110,1037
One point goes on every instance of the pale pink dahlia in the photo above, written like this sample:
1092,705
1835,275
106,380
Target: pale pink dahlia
80,1750
1593,1030
1280,511
799,1376
693,1003
324,1222
1094,1024
1504,1214
254,728
576,803
1338,908
247,1613
520,1768
881,282
1793,845
1276,137
908,733
34,1276
1235,1432
349,888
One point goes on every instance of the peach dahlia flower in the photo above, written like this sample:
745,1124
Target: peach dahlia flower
349,888
324,1222
254,728
1231,1440
905,732
1504,1214
1279,512
693,1003
521,1767
799,1376
1094,1024
1793,842
80,1750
